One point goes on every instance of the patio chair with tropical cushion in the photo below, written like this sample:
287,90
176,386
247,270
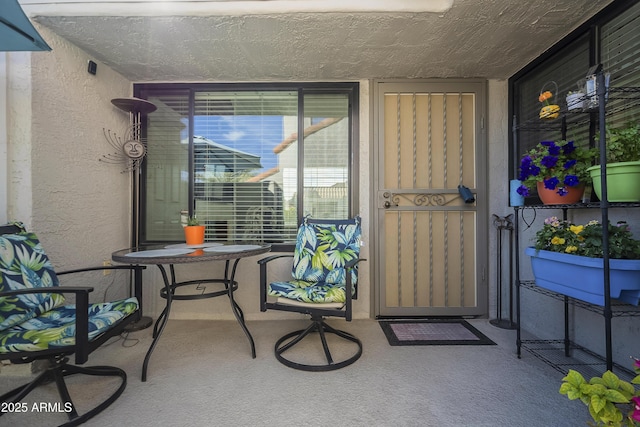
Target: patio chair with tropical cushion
325,264
36,322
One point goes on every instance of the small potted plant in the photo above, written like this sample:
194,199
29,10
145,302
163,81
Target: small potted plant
576,100
557,169
606,397
193,231
623,165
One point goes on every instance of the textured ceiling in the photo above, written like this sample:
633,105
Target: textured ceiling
475,38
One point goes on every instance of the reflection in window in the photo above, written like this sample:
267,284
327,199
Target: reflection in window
242,157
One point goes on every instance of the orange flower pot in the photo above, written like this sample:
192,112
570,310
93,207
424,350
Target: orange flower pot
551,197
194,234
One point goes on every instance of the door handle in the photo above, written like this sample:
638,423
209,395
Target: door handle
389,200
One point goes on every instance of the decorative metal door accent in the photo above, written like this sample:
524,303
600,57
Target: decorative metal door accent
429,144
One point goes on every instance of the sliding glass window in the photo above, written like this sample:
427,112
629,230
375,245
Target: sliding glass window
239,157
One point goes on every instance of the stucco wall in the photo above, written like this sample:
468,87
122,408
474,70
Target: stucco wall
79,206
497,140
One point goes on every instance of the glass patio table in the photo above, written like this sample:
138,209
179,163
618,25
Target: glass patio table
171,255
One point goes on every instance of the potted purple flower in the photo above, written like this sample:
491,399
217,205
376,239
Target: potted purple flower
557,169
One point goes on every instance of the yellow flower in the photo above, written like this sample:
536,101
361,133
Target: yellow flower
571,249
557,240
576,229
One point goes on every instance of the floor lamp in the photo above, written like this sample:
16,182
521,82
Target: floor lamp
131,150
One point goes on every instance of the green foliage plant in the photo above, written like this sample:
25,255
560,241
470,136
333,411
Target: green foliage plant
623,144
192,220
611,401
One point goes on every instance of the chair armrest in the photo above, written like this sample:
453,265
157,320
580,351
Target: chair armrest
49,290
263,277
350,265
272,257
353,263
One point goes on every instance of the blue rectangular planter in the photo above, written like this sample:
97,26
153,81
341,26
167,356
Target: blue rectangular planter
583,277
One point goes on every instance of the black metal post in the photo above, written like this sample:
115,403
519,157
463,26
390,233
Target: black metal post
502,224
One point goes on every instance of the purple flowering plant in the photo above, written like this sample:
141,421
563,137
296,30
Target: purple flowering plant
611,401
558,165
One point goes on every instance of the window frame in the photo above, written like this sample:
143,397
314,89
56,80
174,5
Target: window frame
351,89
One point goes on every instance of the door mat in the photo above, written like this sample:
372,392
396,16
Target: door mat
433,332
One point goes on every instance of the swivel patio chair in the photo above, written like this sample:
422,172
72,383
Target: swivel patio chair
324,265
36,324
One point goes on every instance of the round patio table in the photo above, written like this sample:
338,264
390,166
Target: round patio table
170,255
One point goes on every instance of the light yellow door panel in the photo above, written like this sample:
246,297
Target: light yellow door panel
430,259
428,144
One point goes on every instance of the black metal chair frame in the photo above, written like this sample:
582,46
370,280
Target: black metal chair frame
317,313
58,367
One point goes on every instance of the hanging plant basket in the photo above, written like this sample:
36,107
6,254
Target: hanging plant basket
550,109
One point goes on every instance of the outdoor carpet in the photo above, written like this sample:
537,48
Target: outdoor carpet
433,332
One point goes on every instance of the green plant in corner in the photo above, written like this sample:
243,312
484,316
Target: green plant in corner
623,144
622,165
606,397
192,220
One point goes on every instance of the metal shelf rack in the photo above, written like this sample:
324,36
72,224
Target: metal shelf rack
563,354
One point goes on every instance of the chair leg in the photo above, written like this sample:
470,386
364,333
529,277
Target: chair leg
57,371
322,328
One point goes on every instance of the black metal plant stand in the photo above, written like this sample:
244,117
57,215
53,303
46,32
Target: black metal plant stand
503,225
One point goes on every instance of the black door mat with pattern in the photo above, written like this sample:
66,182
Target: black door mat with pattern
433,332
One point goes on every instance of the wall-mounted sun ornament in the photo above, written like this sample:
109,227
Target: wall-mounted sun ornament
130,148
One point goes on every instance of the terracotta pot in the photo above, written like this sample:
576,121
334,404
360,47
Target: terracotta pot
194,234
551,197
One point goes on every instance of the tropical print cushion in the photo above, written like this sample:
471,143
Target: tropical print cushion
322,250
56,328
315,292
23,264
